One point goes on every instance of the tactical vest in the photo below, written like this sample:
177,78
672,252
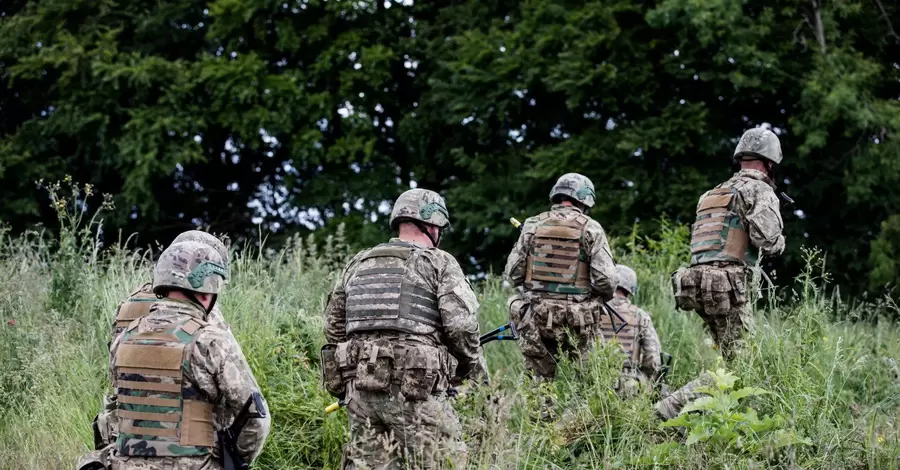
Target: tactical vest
136,306
159,412
628,336
718,234
557,260
382,295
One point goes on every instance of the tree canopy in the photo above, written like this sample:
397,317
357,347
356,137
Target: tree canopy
303,114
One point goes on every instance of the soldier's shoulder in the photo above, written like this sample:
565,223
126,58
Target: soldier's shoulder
439,257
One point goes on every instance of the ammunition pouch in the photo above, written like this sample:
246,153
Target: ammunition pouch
685,287
415,370
375,366
331,374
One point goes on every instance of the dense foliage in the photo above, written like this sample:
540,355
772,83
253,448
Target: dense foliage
308,113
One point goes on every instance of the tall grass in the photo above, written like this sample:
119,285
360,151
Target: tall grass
832,382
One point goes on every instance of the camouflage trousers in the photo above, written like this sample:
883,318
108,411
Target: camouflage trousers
207,462
670,406
555,328
719,296
388,432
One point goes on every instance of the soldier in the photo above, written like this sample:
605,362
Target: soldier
735,221
564,271
400,325
178,377
136,306
638,338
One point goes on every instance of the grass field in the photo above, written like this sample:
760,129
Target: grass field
833,396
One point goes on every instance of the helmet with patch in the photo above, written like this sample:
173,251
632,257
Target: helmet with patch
205,238
760,143
420,205
191,266
575,186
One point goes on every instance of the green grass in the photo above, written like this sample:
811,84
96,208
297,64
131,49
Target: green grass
831,380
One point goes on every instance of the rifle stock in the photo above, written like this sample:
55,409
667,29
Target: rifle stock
228,437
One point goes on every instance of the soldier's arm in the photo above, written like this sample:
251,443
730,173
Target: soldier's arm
650,347
603,267
222,373
457,303
515,264
763,216
335,308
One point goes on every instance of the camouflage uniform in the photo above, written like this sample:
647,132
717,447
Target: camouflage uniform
563,269
400,325
137,305
638,339
735,221
178,377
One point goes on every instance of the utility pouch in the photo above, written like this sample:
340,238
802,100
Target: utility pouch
331,373
685,287
421,370
738,287
715,291
376,363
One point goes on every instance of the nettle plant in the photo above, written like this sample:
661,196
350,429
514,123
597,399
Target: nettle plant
717,420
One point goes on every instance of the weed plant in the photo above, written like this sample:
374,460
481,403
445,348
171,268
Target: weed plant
832,391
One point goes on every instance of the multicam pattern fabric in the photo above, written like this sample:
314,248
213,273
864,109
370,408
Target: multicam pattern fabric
595,246
557,261
206,238
192,266
391,434
420,205
575,186
644,352
759,142
402,323
544,333
215,372
670,406
157,409
717,290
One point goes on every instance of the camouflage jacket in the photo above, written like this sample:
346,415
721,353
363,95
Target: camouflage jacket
759,209
218,369
647,341
456,301
215,317
603,275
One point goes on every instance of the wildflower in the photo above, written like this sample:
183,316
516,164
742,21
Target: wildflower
825,339
68,178
12,322
880,439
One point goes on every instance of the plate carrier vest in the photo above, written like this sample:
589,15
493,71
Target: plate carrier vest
154,402
718,234
382,296
137,305
557,262
627,337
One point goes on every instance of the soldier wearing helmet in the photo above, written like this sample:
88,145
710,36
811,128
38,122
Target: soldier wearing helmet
137,305
178,377
736,221
563,269
400,326
637,338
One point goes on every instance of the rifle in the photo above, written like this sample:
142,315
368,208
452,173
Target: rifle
613,314
496,336
666,360
228,436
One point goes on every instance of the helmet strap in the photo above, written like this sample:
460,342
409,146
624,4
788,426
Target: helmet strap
424,229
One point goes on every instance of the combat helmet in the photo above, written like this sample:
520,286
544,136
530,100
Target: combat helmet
190,266
421,206
575,186
627,279
205,238
759,142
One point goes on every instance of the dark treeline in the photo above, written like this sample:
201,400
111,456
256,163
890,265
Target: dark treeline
309,113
